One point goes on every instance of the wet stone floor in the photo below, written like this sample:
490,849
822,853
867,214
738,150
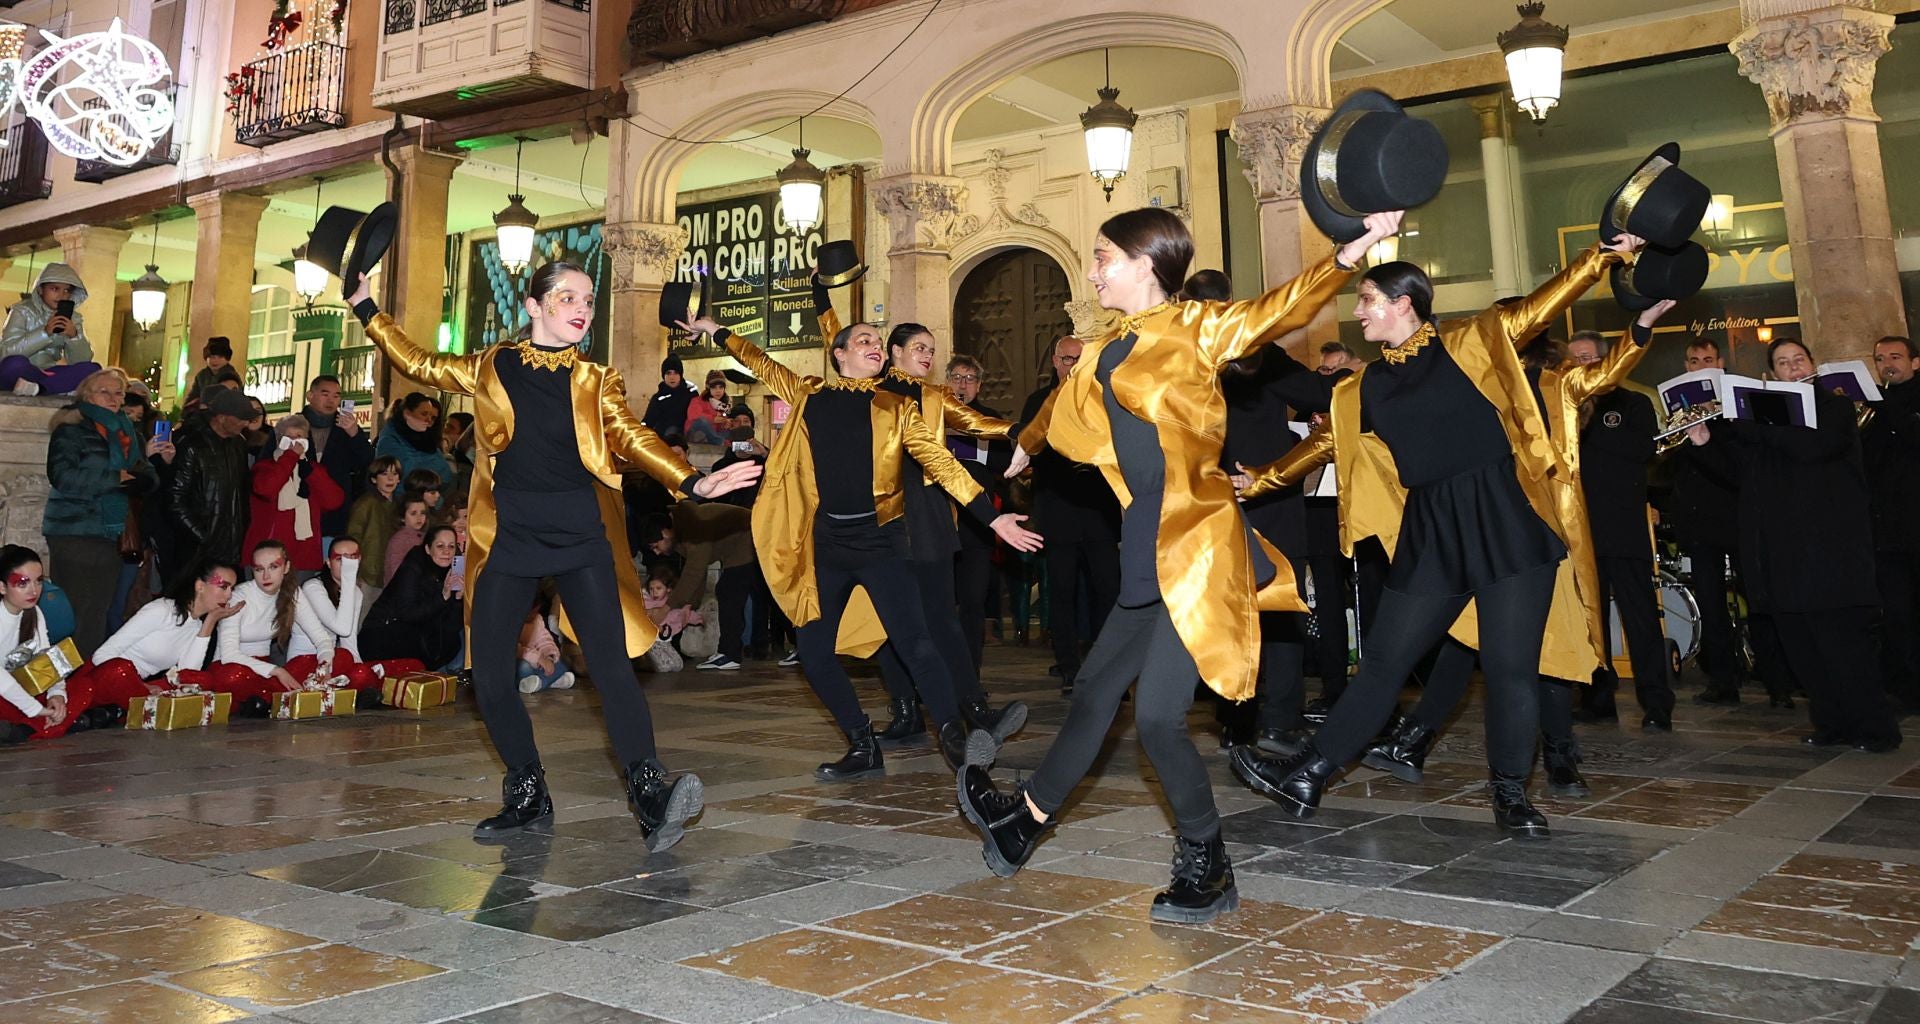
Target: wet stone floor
326,872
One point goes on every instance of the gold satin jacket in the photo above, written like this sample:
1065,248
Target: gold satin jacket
1372,500
943,412
1171,379
783,514
611,439
1564,391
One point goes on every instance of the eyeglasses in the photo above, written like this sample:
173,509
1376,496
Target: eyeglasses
1069,360
964,378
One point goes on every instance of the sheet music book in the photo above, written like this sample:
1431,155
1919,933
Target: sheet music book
1774,402
1691,398
1711,394
1851,380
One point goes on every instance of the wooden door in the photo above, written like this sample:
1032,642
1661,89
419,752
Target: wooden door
1009,310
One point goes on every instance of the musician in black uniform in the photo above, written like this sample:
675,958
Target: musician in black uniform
986,460
1890,443
1702,511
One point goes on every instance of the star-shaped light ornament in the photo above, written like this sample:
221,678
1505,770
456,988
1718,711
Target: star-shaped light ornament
108,108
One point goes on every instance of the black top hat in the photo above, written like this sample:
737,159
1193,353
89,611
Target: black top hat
677,303
838,263
1660,274
1369,157
348,243
1659,202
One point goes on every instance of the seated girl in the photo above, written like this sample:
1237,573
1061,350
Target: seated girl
165,640
326,617
407,536
419,614
23,632
243,665
671,621
541,666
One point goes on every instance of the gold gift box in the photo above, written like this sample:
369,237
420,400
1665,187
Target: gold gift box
179,711
417,690
298,704
46,669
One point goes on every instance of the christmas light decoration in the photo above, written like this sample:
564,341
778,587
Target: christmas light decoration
94,94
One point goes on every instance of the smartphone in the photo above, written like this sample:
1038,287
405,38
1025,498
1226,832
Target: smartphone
65,308
743,447
346,406
459,568
163,431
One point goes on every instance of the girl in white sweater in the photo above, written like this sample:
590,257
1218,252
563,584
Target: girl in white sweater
23,631
243,665
326,617
163,636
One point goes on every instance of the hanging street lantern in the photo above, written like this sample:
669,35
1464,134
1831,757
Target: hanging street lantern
1108,127
309,278
150,289
515,224
1534,50
802,188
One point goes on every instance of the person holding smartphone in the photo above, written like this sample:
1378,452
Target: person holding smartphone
44,344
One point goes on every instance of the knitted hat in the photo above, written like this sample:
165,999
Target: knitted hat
218,345
715,377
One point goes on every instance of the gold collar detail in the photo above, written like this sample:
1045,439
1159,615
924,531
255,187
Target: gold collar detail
539,358
1411,347
853,384
896,373
1131,324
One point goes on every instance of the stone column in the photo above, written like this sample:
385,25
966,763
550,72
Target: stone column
926,214
228,234
643,257
94,253
414,271
1816,70
1272,141
1502,229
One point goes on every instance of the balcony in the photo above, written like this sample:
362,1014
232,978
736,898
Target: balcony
163,154
23,165
661,30
443,58
270,379
298,91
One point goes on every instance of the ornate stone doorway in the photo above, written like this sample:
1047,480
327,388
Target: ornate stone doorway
1008,311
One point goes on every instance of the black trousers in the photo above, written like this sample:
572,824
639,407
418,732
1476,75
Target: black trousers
1513,622
88,568
770,625
1629,583
1899,578
592,599
1709,583
933,578
1447,684
1281,694
896,597
735,587
1332,597
1136,643
1831,653
972,578
1066,560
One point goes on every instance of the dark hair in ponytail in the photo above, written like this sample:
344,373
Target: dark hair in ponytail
544,281
1402,278
12,557
901,334
1158,235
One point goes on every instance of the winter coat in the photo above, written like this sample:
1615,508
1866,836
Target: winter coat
667,412
346,458
411,618
405,444
268,521
26,331
87,497
208,495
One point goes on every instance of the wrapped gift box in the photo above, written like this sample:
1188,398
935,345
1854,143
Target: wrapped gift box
47,668
297,704
417,690
179,710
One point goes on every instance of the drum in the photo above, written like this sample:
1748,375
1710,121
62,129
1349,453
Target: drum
1680,620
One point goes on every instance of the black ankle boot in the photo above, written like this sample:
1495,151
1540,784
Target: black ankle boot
1002,723
1404,752
106,716
523,801
906,723
1294,783
1008,829
662,807
962,747
1563,770
1511,811
1283,742
1202,886
863,759
12,733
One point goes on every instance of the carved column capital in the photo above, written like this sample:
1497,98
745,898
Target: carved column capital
1815,65
1272,141
926,213
643,255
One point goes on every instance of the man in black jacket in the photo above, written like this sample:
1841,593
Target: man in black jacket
667,413
1616,444
1890,445
1702,509
338,444
1076,511
207,494
986,460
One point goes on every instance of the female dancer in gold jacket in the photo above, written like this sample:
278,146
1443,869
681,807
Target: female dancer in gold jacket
1145,406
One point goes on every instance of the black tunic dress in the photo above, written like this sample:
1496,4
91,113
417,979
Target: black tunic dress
549,517
1467,523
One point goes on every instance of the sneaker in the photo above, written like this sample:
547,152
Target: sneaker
565,682
25,387
792,659
718,663
529,684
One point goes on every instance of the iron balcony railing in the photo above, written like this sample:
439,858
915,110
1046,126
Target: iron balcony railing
270,379
295,92
162,154
404,15
23,165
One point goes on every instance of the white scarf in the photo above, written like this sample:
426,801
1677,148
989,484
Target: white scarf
289,499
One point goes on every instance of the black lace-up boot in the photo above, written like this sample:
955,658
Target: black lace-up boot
1002,723
906,723
1295,783
1511,811
523,801
1008,829
1404,752
1202,886
662,806
863,759
1563,770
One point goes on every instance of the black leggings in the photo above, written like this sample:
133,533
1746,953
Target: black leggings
934,578
1135,643
1447,683
592,599
1513,621
890,585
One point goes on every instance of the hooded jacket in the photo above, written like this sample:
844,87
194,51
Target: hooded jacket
26,330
